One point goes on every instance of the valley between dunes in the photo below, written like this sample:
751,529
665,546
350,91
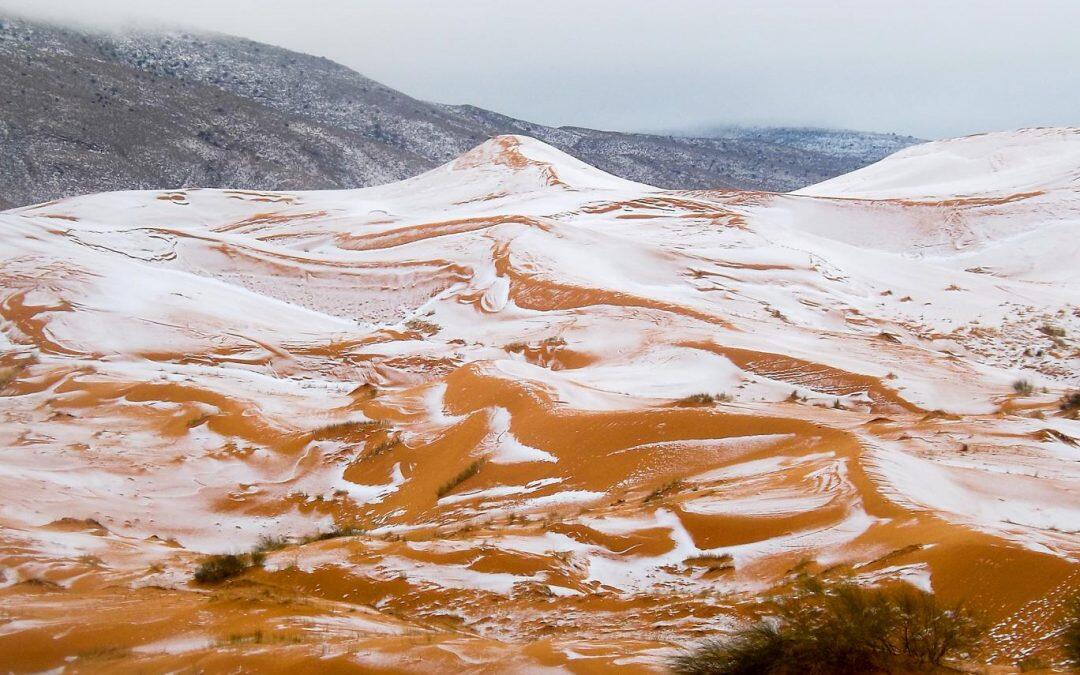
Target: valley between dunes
484,379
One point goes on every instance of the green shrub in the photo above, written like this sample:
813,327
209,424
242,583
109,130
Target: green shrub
841,630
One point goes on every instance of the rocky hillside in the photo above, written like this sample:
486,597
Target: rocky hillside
93,112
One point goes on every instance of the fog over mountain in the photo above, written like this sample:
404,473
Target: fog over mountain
94,111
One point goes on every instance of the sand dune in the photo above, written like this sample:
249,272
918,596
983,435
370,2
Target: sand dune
485,376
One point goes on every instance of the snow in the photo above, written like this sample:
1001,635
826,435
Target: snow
995,164
191,372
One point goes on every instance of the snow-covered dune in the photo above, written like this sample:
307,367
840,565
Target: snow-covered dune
563,418
998,164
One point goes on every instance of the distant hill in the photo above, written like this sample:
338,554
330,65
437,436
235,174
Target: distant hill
863,146
88,112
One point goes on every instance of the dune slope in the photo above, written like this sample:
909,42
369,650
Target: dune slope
488,381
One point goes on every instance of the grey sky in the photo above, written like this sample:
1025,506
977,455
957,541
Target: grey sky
930,68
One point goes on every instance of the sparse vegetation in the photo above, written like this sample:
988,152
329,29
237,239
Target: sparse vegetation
422,326
844,629
1052,330
7,376
217,568
1070,402
268,543
465,474
342,428
713,562
335,533
1070,635
1023,387
705,399
664,490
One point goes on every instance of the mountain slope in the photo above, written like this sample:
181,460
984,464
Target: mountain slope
856,145
467,409
92,112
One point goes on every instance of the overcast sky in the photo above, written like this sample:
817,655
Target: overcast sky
932,68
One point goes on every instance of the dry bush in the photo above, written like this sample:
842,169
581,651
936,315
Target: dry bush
1070,635
217,568
1052,330
841,630
1070,402
335,533
466,473
1023,387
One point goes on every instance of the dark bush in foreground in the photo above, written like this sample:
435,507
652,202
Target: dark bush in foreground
1071,634
217,568
838,631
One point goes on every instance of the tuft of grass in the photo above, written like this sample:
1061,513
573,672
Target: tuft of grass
337,429
713,562
268,543
1023,387
465,474
841,630
1052,330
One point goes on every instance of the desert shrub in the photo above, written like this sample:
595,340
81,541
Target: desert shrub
713,562
754,651
332,534
1023,387
1070,401
1071,633
423,326
466,473
1052,330
217,568
268,543
838,630
664,490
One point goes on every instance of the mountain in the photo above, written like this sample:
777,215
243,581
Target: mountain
88,112
517,413
862,146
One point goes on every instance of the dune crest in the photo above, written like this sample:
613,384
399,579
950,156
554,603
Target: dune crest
518,411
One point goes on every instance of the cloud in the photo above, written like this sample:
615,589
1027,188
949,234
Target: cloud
941,68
